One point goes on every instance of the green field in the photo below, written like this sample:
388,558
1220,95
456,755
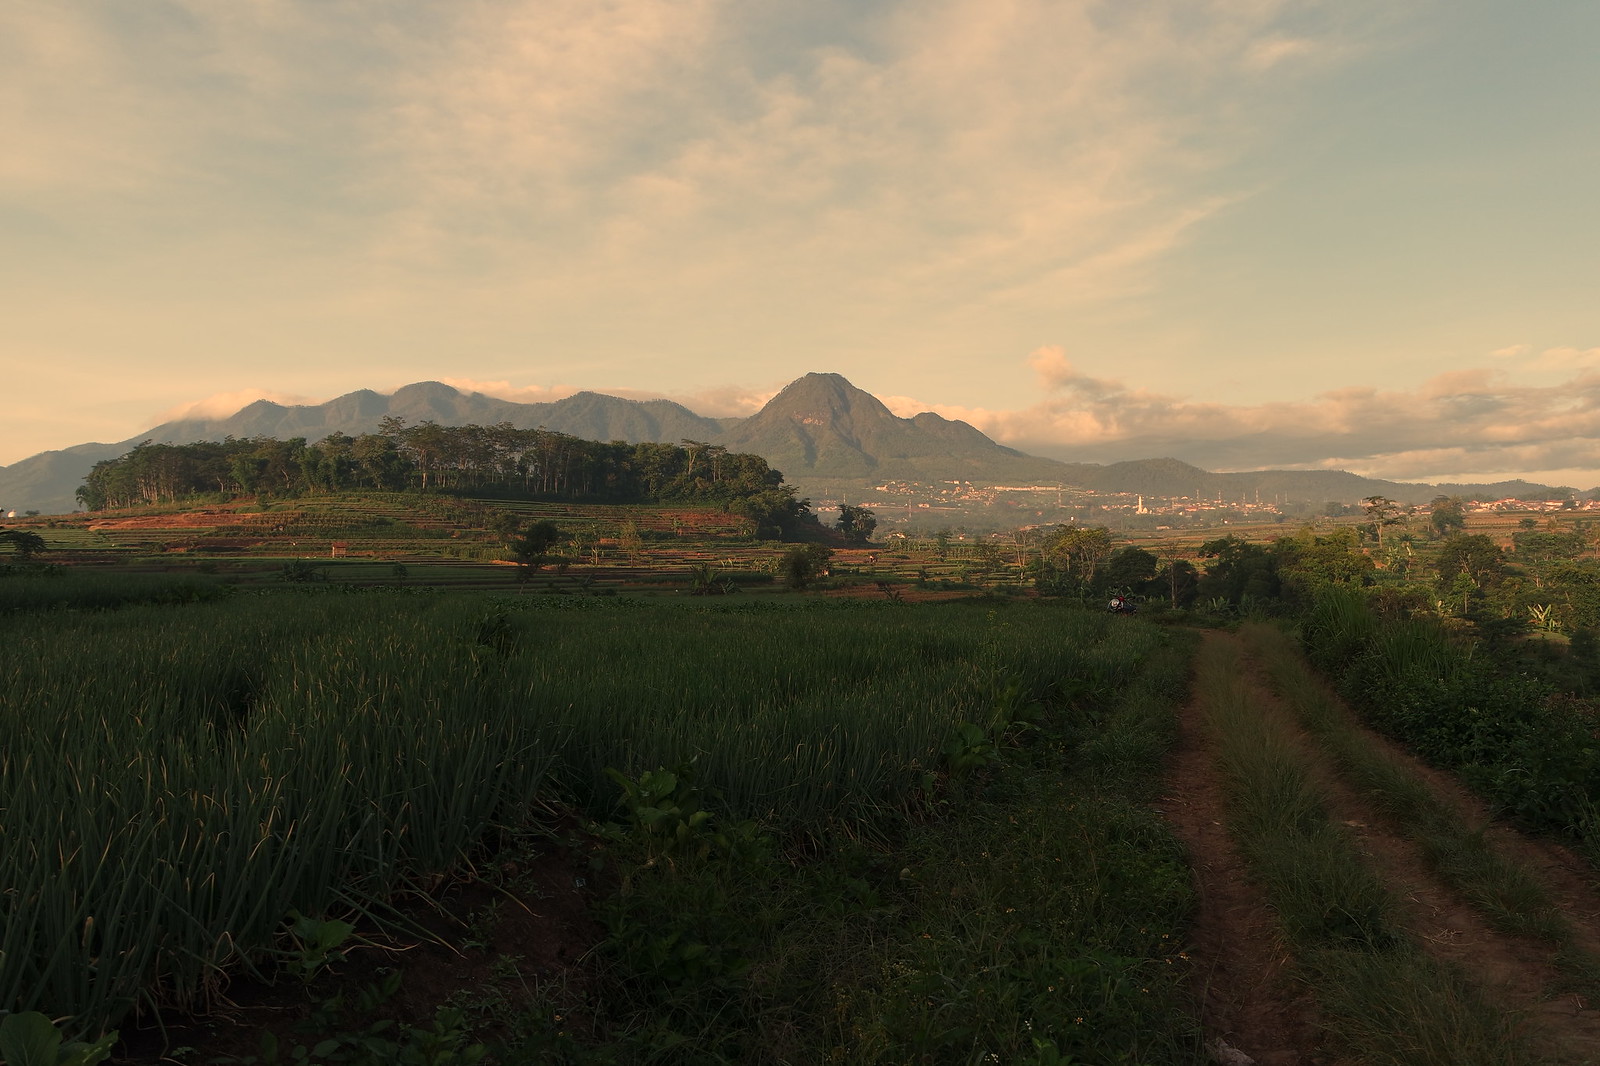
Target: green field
178,778
905,815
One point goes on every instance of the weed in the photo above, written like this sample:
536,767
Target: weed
31,1039
316,944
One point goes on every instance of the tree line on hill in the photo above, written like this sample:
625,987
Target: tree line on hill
499,460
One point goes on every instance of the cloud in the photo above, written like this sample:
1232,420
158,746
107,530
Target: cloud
1265,54
68,76
504,390
908,157
1567,360
1475,423
725,402
223,404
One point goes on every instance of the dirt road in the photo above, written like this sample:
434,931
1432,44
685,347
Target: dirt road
1255,994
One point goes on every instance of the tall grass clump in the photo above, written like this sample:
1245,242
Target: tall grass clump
1339,624
174,784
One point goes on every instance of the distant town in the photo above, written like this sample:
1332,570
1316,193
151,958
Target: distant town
922,507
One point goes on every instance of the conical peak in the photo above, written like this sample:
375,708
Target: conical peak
824,396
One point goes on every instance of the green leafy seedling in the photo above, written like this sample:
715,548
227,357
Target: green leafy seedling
969,748
31,1039
317,942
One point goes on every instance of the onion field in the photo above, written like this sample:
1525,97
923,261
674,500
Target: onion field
177,779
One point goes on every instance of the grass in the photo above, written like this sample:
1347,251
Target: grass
42,587
1511,898
1382,997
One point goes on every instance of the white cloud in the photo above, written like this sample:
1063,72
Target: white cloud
726,402
223,404
936,156
1567,360
1265,54
504,390
1472,423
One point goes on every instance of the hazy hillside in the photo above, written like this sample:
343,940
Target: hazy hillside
819,429
586,414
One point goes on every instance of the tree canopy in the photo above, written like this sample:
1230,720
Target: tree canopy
498,460
856,524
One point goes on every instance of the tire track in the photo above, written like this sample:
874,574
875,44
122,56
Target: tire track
1245,987
1246,984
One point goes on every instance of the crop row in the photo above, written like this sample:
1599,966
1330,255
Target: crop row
177,779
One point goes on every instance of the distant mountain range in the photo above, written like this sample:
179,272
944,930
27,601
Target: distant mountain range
819,429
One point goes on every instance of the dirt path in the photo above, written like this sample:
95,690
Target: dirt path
1245,983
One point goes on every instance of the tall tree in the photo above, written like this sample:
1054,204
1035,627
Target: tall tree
1473,556
531,550
856,524
1448,515
1382,512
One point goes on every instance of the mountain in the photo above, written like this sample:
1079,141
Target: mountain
47,481
1172,477
823,426
585,414
819,429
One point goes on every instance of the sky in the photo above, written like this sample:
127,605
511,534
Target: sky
1245,233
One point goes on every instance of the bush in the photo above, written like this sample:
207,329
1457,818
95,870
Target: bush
1508,736
803,564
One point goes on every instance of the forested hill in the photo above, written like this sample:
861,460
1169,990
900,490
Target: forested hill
497,460
47,481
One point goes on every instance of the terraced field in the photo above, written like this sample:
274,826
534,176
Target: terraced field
449,543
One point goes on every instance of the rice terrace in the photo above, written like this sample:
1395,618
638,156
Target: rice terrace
645,764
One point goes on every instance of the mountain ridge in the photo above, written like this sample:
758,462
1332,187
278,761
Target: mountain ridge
819,427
